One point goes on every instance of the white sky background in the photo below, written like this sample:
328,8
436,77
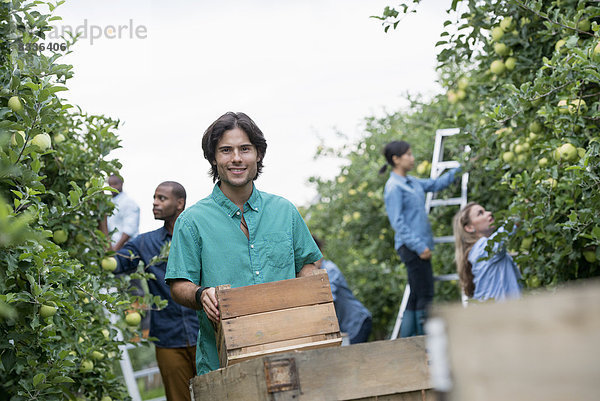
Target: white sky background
302,70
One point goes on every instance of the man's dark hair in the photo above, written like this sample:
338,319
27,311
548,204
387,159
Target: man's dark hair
226,122
176,188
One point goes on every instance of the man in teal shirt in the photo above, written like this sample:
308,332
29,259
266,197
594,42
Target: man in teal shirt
238,235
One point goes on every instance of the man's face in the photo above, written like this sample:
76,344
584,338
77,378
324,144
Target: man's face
236,159
116,183
166,206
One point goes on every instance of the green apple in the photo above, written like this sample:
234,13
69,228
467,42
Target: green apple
60,236
510,63
596,51
106,398
42,141
58,138
525,21
14,103
507,24
526,243
461,94
508,157
47,311
581,152
452,97
106,334
80,238
543,162
133,319
497,33
532,136
563,107
552,182
584,25
590,256
13,138
497,67
424,168
519,148
109,264
86,366
533,282
577,106
97,355
568,152
463,83
501,49
535,126
559,44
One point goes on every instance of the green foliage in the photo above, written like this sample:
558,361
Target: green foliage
44,189
542,93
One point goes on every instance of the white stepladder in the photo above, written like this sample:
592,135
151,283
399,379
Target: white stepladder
438,166
129,375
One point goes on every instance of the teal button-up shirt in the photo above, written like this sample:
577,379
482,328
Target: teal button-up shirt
210,249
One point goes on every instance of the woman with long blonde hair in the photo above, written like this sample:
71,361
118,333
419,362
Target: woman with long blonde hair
482,276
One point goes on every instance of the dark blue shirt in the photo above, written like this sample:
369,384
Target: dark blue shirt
175,326
350,312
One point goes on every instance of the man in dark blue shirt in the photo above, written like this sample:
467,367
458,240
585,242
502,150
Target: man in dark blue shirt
354,319
175,326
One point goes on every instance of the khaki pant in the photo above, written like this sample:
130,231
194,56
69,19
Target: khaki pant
177,366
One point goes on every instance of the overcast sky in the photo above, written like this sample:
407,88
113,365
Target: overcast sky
303,70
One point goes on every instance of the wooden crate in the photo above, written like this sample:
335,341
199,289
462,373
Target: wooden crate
384,370
541,347
281,316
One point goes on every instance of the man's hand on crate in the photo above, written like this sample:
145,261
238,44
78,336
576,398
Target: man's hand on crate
210,305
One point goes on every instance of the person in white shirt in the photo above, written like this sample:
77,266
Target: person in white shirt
125,218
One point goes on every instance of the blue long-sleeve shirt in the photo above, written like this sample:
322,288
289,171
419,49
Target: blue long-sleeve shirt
496,277
405,205
175,326
350,312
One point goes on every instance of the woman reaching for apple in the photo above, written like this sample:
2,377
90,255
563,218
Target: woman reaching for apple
482,277
404,197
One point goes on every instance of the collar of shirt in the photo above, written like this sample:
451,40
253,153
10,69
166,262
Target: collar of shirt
405,181
164,234
254,202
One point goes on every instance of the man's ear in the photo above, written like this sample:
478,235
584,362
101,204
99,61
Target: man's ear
180,204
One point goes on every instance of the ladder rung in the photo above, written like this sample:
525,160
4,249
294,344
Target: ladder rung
146,372
443,240
445,202
446,165
447,131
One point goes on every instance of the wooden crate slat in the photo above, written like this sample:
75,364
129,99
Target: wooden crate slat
364,370
393,370
310,290
285,343
332,342
279,325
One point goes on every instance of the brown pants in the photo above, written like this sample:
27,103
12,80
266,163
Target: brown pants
177,366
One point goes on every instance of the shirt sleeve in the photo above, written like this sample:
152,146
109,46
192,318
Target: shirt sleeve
394,206
185,255
128,257
437,184
305,249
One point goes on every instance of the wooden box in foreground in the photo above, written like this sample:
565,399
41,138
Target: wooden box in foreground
542,347
384,370
281,316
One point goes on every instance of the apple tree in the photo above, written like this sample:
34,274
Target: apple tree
58,342
530,112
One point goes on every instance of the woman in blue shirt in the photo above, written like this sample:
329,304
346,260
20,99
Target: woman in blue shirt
404,198
483,277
